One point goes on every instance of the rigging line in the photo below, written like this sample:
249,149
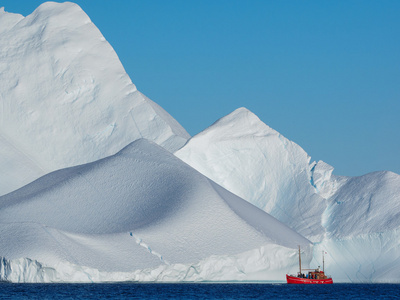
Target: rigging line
335,262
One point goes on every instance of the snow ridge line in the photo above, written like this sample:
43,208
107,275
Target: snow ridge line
140,242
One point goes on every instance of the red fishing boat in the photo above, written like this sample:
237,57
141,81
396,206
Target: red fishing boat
310,276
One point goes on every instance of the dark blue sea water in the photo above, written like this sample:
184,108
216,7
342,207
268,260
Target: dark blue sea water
198,291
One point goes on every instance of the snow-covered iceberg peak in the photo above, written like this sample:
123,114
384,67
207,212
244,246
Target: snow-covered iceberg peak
255,162
241,122
65,98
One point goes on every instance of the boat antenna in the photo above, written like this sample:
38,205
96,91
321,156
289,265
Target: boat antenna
299,260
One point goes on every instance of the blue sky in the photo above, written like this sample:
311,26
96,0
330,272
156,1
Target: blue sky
325,74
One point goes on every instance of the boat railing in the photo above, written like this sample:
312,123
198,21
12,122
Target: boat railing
306,274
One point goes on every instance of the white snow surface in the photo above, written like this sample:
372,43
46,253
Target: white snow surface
356,220
65,98
141,209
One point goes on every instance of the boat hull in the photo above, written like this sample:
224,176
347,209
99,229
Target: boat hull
297,280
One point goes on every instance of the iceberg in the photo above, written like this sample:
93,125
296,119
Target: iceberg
99,183
141,214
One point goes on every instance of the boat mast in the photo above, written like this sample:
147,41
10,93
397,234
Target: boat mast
323,261
299,260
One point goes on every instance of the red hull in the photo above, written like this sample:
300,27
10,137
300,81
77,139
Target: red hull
297,280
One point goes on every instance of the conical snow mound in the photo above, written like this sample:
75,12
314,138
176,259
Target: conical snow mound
65,98
140,208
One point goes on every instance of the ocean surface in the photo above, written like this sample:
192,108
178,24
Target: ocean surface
198,291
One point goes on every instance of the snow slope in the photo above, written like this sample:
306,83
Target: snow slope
141,209
341,215
65,98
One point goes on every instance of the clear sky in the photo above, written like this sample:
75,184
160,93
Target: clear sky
325,74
